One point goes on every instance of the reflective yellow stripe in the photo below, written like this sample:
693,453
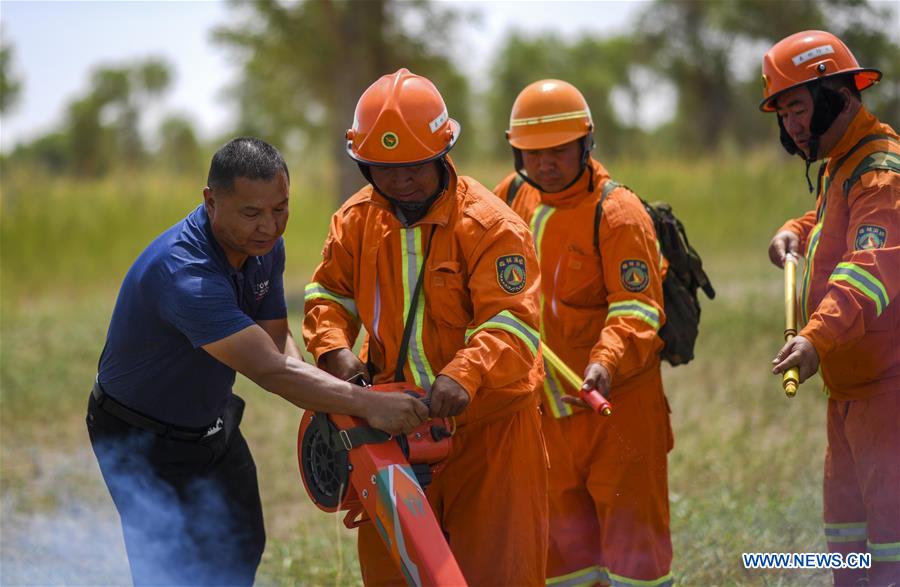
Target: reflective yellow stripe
885,551
636,309
846,532
864,282
506,321
620,581
811,246
554,391
807,271
314,291
549,118
542,214
411,249
587,576
553,387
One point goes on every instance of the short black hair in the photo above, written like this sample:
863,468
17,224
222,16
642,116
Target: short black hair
244,157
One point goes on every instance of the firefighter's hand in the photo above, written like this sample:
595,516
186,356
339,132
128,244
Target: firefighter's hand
395,413
783,243
596,376
797,352
448,398
343,364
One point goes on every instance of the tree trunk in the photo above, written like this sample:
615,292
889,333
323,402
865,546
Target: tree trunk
359,29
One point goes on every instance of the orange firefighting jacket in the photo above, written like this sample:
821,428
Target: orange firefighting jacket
477,318
603,308
852,273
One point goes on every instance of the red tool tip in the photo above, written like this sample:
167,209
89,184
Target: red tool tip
597,402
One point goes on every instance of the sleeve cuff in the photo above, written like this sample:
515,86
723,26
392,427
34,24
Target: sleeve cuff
605,358
815,332
795,227
467,377
328,341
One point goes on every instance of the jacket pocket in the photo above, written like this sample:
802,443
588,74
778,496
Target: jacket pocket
580,326
579,282
447,296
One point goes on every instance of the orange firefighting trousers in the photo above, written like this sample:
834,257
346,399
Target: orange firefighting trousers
862,485
609,505
492,510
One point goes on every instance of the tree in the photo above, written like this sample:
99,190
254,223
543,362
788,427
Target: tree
103,127
305,65
711,51
596,66
10,85
179,149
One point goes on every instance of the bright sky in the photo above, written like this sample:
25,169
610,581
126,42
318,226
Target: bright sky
56,44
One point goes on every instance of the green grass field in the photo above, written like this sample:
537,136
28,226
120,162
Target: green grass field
745,475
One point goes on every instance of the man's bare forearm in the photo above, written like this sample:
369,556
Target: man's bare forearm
309,388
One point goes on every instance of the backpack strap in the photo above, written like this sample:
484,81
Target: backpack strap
608,187
513,189
861,168
879,160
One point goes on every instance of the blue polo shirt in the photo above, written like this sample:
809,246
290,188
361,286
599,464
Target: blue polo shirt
180,294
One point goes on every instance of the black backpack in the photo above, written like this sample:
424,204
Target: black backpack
684,277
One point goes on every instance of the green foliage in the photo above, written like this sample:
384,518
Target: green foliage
710,52
703,49
10,85
179,150
595,66
102,128
306,64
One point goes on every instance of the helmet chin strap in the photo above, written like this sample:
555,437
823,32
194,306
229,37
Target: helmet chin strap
827,105
587,145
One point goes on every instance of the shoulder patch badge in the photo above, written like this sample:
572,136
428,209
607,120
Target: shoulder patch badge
511,273
869,236
634,275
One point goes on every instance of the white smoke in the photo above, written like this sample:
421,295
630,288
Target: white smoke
77,539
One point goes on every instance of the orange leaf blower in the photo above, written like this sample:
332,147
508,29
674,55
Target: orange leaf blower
346,465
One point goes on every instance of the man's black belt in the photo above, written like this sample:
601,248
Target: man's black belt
138,420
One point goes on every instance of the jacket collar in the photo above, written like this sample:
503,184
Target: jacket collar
862,124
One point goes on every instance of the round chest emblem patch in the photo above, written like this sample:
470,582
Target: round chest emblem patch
634,275
390,140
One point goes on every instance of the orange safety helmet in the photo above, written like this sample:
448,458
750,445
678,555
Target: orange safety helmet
548,113
401,120
806,57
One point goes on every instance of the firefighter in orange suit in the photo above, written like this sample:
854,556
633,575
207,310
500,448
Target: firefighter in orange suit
468,337
602,306
851,242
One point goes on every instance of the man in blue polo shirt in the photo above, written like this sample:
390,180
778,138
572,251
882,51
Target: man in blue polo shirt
204,300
